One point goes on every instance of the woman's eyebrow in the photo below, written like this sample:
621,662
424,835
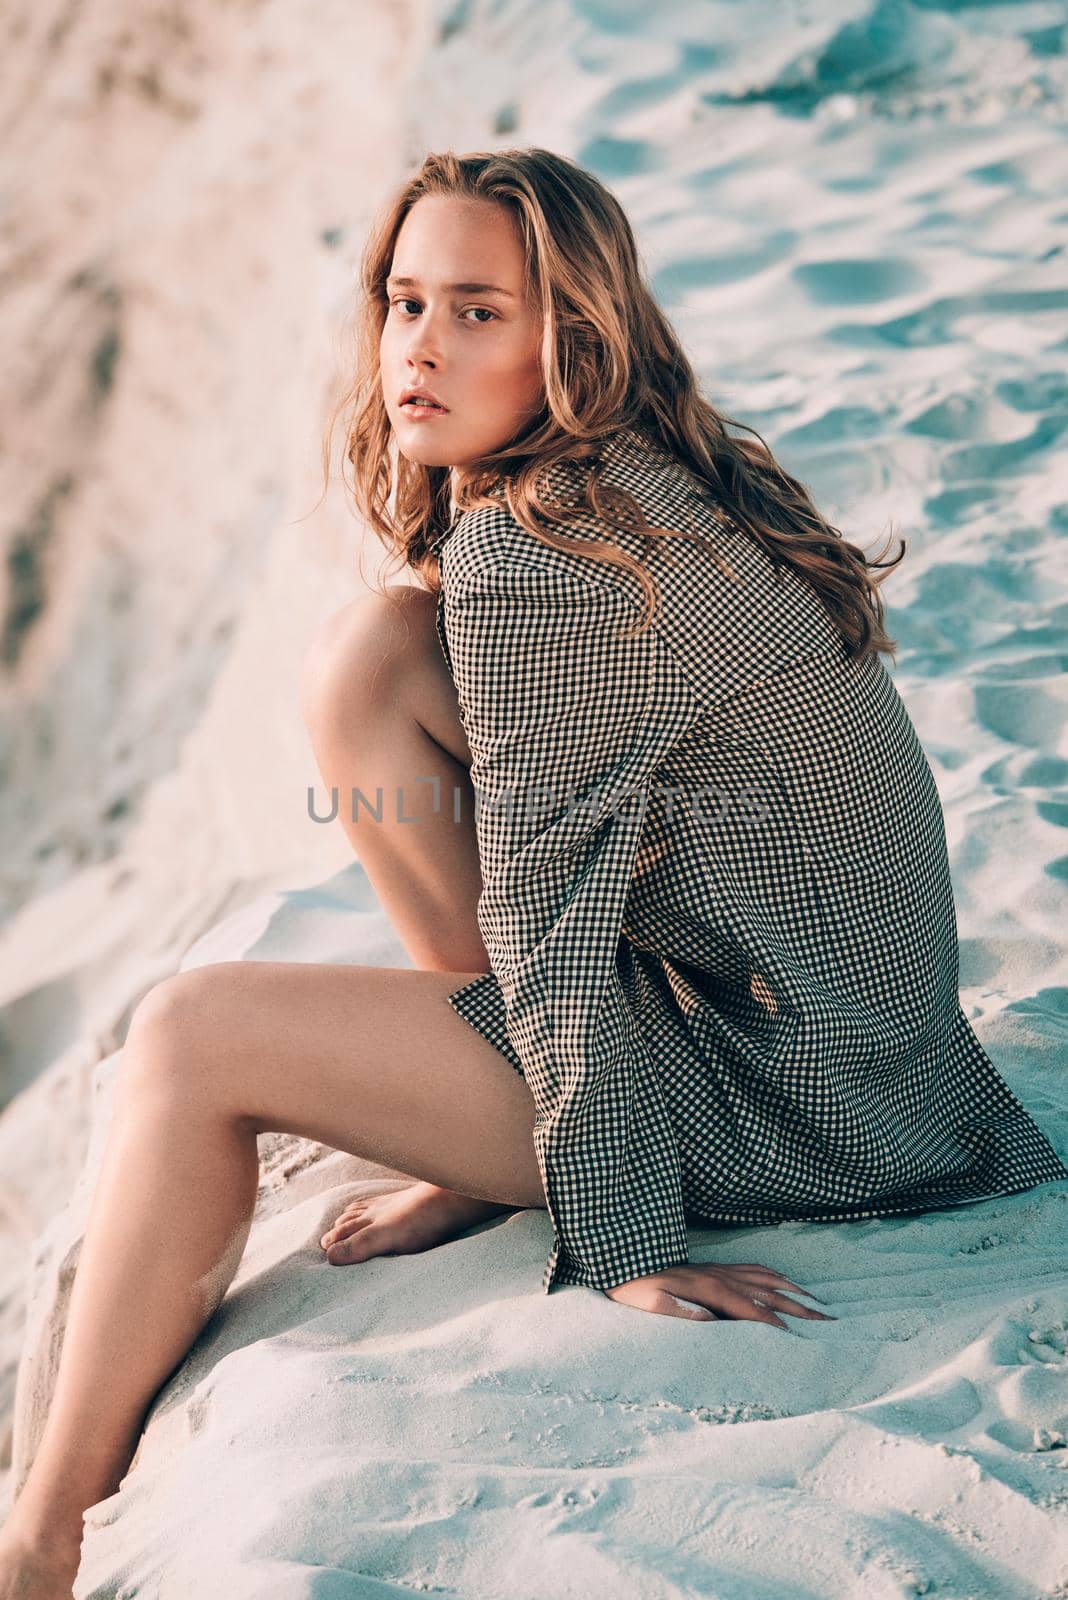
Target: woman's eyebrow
457,288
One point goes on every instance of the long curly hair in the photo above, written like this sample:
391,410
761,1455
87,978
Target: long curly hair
610,360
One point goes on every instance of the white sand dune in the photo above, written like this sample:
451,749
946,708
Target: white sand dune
853,214
431,1422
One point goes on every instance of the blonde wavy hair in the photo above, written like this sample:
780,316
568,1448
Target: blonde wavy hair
610,360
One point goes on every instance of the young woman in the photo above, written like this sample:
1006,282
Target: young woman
678,897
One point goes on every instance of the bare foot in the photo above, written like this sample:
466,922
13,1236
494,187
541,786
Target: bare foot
28,1572
400,1223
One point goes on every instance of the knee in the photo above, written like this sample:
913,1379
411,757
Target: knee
172,1030
356,664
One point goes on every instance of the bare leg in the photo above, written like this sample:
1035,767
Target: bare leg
175,1196
381,711
213,1056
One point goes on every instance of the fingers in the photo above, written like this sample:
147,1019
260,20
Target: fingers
769,1292
731,1303
754,1310
714,1292
756,1290
784,1302
756,1307
802,1311
768,1272
775,1281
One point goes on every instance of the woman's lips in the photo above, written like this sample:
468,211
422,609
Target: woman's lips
420,411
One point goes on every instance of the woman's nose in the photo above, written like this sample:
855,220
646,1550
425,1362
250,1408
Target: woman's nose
424,342
424,353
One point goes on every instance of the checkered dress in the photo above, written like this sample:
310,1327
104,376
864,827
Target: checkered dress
716,895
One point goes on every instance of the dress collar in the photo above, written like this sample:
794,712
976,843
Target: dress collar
619,444
435,545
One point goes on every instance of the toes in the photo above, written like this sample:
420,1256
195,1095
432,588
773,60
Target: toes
356,1246
344,1226
350,1213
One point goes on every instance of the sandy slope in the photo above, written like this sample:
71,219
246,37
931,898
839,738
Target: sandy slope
431,1422
854,215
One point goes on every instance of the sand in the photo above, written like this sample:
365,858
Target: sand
431,1422
853,214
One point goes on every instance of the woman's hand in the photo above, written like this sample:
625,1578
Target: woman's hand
706,1292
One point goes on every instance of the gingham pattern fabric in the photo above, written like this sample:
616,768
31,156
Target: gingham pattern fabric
716,895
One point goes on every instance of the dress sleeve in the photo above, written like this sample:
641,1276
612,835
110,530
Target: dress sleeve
566,725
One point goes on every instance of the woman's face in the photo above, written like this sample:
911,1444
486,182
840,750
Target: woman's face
458,326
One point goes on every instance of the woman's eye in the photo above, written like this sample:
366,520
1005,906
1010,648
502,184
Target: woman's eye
403,301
